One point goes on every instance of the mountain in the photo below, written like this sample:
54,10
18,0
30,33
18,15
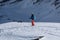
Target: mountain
21,10
15,22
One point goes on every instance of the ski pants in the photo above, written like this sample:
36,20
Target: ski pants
32,22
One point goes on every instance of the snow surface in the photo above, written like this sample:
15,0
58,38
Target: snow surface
24,31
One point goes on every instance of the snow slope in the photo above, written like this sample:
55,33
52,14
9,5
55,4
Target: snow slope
44,10
15,23
24,31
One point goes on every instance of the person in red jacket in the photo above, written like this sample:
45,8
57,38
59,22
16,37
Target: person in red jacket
32,17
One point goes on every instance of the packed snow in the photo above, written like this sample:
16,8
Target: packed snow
25,31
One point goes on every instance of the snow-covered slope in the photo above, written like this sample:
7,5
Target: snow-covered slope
44,10
15,23
24,31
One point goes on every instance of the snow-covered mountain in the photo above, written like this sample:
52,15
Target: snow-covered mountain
15,19
21,10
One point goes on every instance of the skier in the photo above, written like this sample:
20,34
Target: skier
32,17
